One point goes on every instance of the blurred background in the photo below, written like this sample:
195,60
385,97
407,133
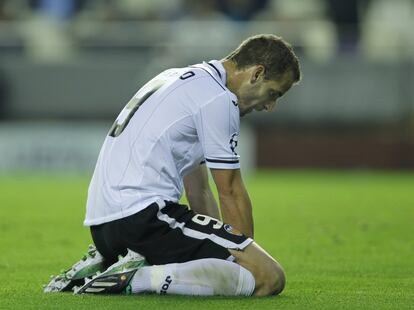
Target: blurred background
67,68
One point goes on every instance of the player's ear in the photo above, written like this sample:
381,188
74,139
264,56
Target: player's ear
257,74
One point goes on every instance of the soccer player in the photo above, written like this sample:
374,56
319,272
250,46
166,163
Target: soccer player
180,123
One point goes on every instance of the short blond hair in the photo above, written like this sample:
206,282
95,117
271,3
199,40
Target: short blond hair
270,51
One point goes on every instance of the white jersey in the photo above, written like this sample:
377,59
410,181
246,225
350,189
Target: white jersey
178,120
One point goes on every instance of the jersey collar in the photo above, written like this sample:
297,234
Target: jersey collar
218,70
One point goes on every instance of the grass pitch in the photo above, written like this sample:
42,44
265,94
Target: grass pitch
345,239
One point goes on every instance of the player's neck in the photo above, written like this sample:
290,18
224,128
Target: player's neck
233,76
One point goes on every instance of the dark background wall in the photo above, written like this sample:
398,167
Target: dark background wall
71,64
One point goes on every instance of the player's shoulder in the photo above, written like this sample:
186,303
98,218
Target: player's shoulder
207,81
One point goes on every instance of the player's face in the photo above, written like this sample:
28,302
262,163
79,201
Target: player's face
260,94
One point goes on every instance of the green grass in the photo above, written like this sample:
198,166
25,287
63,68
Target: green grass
345,239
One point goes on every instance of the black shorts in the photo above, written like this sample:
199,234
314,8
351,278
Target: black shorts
172,234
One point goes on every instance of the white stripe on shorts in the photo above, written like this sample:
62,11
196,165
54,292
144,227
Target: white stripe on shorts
199,235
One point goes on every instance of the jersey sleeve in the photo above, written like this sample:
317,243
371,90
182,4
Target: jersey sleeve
218,125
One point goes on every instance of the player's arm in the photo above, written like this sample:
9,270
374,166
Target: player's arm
235,204
198,192
218,125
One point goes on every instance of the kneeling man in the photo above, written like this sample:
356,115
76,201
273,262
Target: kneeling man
180,123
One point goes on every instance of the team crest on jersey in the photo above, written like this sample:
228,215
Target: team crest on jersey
231,230
234,140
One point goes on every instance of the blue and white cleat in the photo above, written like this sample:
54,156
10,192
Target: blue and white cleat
116,279
90,264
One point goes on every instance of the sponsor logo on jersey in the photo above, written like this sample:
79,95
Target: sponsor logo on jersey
234,140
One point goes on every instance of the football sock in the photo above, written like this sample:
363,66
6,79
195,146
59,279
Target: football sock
203,277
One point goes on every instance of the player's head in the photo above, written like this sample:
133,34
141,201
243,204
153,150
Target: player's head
260,71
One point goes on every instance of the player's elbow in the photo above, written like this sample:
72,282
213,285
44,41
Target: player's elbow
227,193
231,192
229,182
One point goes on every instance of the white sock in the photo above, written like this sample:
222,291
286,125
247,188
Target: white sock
201,277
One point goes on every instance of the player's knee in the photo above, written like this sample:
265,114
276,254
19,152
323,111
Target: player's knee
279,280
270,281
